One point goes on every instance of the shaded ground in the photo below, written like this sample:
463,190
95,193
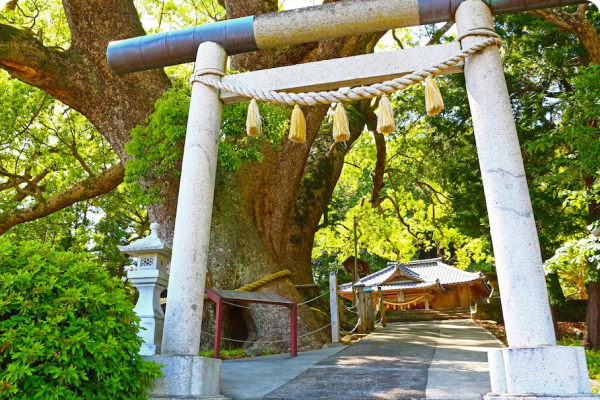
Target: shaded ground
434,360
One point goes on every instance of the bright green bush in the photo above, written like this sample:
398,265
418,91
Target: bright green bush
67,330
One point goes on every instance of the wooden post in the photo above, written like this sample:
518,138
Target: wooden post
360,305
294,330
369,306
427,301
218,320
381,306
334,309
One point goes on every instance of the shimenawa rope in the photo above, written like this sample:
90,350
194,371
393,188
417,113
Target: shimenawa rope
255,285
341,133
357,93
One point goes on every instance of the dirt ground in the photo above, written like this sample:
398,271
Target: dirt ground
566,330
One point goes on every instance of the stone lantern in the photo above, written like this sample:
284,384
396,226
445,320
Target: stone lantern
150,279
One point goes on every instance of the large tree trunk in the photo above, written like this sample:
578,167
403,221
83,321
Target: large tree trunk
592,321
592,336
321,174
254,206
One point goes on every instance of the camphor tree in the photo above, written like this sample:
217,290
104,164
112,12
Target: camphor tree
60,48
265,212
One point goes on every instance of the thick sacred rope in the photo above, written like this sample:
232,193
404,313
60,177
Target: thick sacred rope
385,121
351,94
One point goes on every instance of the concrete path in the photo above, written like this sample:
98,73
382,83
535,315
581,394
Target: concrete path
420,360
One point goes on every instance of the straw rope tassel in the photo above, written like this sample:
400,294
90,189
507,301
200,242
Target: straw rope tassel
385,119
298,126
341,130
433,98
253,122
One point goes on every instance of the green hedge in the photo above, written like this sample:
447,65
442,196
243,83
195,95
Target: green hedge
67,329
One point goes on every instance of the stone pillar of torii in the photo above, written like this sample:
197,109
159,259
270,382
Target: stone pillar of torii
533,366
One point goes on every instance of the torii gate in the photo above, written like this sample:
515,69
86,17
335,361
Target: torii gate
533,366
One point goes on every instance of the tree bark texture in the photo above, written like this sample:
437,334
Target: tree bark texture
321,173
254,207
592,336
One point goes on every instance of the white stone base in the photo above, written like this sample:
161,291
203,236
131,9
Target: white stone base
546,372
187,377
514,396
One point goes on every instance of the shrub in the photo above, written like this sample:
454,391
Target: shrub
67,329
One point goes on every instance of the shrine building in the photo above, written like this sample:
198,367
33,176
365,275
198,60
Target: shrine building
424,285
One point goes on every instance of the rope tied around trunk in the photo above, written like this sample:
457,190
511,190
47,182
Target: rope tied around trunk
269,278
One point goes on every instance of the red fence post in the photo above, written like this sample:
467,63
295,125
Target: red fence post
294,330
218,319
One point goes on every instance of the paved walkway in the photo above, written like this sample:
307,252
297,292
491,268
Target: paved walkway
419,360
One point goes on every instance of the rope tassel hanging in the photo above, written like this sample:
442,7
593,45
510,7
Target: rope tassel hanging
297,126
385,119
253,121
341,129
433,98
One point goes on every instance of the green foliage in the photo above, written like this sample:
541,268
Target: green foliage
46,20
555,100
157,148
593,362
67,330
225,354
432,199
577,263
46,146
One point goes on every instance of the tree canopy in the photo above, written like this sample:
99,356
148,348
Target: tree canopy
72,132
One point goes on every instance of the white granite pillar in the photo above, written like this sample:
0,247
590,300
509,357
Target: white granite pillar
514,236
185,374
533,367
183,318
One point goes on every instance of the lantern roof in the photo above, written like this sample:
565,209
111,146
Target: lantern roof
150,244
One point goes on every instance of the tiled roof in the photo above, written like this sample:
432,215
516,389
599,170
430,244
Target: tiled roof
426,273
446,274
408,285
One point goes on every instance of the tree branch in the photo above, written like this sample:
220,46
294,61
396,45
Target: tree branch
399,215
396,39
31,189
437,36
377,175
27,59
577,24
435,192
83,190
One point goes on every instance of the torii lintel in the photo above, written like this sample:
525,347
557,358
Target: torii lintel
303,25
